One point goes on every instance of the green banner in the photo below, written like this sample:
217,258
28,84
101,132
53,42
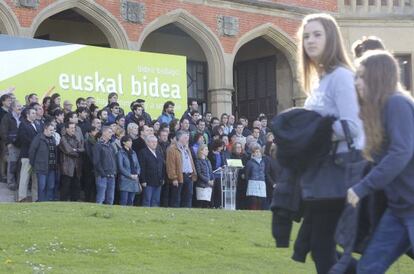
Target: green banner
81,71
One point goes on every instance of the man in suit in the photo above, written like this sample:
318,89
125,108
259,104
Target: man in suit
152,172
28,129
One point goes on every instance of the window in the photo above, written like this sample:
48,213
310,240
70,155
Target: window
197,82
404,60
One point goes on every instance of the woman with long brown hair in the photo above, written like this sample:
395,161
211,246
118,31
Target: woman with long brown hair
328,79
388,116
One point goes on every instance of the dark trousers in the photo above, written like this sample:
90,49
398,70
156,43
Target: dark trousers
255,203
165,194
216,196
203,204
69,188
241,194
175,195
90,187
320,220
187,192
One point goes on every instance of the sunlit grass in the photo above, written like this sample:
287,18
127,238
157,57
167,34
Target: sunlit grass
88,238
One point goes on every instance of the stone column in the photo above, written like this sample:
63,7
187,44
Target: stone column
220,101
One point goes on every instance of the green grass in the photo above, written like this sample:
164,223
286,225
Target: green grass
88,238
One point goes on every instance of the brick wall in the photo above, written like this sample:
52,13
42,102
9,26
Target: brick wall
207,14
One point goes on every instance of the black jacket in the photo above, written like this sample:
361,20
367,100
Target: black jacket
356,227
286,205
8,129
104,159
84,125
302,136
138,145
204,172
39,154
212,157
152,168
3,113
273,171
25,135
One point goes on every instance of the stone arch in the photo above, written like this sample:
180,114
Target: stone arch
201,34
278,38
8,20
282,42
99,16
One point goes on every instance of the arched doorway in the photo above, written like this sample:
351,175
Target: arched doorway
171,39
85,13
261,74
71,27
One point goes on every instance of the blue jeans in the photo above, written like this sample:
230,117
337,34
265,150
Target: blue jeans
187,192
126,198
392,238
46,186
151,197
105,190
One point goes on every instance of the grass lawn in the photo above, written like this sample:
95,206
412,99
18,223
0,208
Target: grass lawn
88,238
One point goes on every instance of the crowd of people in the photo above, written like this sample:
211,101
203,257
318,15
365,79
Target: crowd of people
105,155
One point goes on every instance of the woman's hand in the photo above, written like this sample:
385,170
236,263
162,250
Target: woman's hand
352,197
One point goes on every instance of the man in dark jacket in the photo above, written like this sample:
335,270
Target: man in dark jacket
42,156
4,110
104,161
192,105
25,134
152,172
8,132
71,164
83,119
163,144
134,115
146,115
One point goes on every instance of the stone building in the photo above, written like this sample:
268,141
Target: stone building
240,53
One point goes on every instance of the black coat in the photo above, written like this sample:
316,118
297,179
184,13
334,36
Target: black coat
286,206
8,128
273,171
84,125
152,168
302,136
356,227
39,154
212,157
3,113
204,172
104,159
138,145
25,135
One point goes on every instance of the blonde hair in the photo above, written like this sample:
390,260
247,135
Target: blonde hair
119,132
381,80
333,55
200,149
